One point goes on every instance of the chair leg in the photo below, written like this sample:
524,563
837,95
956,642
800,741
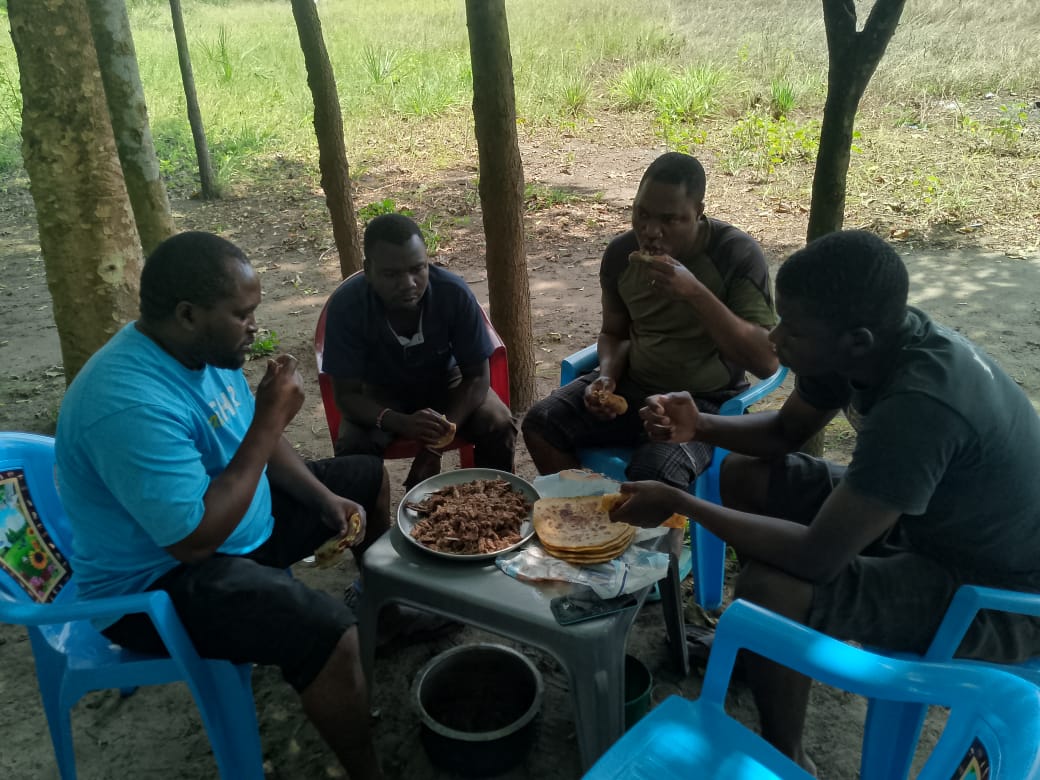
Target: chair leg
58,697
597,688
228,711
59,722
671,604
709,567
890,739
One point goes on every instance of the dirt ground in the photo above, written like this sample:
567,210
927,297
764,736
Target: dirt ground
989,296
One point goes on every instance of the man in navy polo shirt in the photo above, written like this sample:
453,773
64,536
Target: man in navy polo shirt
407,349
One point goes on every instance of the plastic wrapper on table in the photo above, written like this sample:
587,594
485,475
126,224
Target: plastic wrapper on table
634,569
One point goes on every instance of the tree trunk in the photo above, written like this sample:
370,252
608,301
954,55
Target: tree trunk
853,58
88,237
502,190
129,114
207,181
328,127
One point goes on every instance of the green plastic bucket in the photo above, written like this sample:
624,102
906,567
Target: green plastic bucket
638,683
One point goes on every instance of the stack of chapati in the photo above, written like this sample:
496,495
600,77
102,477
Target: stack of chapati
578,530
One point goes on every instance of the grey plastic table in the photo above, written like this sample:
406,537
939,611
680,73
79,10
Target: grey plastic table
478,593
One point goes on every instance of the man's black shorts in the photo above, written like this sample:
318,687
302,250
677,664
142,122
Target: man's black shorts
562,420
889,596
249,608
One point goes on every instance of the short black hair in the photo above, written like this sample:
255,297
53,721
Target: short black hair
848,279
678,168
186,267
395,229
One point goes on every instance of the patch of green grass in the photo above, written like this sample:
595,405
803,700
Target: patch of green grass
375,209
538,197
379,64
265,343
575,97
690,95
690,78
220,56
430,226
424,98
1009,128
781,98
10,97
10,119
635,87
769,142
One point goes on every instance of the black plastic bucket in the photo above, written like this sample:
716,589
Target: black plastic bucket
638,683
478,705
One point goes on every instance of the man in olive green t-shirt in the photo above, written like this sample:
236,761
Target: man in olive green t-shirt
686,306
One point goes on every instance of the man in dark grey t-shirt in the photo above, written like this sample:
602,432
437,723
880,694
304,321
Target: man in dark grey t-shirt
941,489
408,351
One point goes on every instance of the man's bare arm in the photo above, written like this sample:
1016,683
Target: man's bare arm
613,343
766,434
739,341
278,399
470,393
847,522
674,418
353,403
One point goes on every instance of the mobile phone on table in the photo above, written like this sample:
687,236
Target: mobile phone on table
586,605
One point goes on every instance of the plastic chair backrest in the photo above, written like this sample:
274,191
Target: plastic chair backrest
498,364
892,728
991,712
27,485
73,658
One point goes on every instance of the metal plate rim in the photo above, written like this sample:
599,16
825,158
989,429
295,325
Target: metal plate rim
406,519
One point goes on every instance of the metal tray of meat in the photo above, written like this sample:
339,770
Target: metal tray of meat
407,518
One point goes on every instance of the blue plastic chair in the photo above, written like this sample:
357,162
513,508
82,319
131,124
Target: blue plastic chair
994,716
893,727
709,552
72,658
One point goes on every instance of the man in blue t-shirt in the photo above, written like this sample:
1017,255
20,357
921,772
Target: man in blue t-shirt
941,489
407,347
175,478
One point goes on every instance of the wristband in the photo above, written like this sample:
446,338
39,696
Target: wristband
433,450
380,416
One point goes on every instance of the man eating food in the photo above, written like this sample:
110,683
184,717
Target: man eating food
686,306
407,349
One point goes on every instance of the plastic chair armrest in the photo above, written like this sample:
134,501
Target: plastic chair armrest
738,404
581,362
748,626
965,605
112,608
156,604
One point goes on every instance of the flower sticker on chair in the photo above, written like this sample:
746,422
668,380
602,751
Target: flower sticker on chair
27,553
975,765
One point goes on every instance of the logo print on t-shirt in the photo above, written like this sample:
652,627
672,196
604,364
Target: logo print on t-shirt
224,408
